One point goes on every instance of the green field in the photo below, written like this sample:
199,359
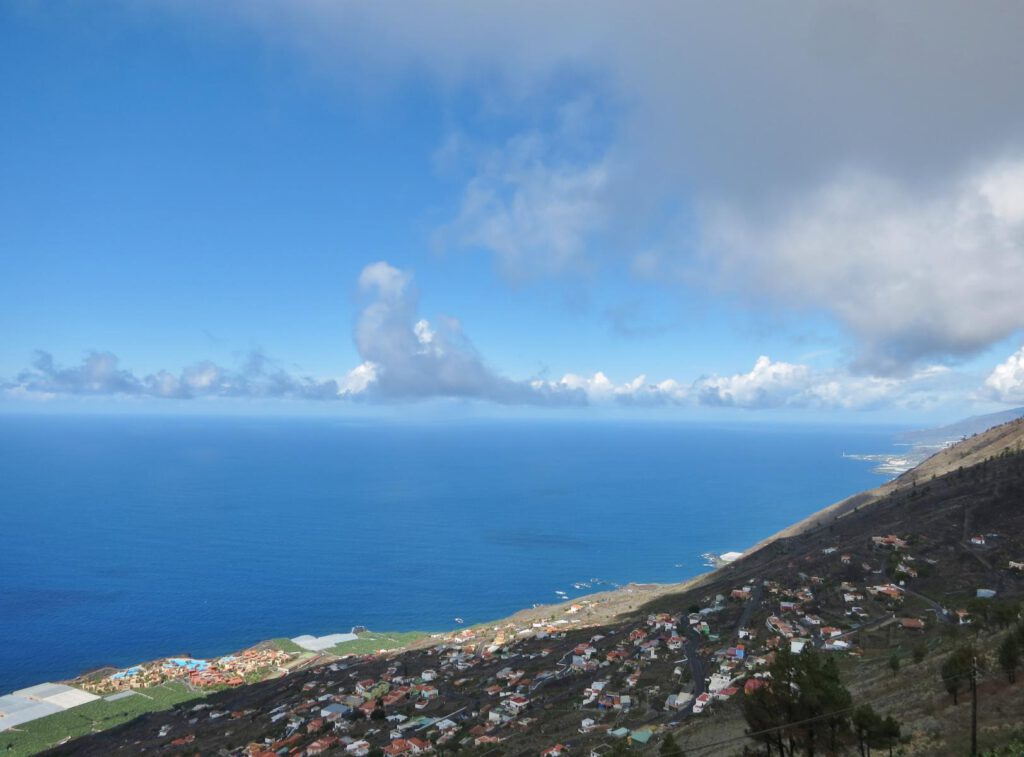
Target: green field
287,645
372,641
100,715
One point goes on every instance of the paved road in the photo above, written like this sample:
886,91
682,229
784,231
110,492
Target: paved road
693,641
756,598
940,611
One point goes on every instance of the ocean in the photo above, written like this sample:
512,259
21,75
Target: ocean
126,539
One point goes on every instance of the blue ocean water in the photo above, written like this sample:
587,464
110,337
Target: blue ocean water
124,539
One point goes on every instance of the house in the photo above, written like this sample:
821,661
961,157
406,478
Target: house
419,746
753,684
978,541
890,591
891,541
321,745
911,624
985,593
1018,566
678,701
397,747
836,645
517,704
334,711
554,751
906,570
640,736
719,682
701,702
796,646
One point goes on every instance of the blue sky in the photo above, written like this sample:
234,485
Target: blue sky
508,209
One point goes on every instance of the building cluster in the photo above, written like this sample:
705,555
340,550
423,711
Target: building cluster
230,670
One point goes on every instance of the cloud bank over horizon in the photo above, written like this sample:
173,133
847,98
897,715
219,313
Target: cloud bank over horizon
408,358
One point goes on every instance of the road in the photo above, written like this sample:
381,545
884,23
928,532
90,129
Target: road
756,597
940,612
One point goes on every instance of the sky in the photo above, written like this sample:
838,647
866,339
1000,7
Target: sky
574,209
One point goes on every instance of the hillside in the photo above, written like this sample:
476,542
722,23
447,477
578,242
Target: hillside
892,574
961,429
969,452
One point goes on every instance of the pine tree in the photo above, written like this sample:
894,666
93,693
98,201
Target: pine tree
1009,657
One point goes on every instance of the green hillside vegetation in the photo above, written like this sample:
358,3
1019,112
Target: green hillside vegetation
371,642
100,715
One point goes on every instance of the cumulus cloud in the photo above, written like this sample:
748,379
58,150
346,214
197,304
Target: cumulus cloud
767,385
775,384
911,277
779,384
601,390
1006,382
407,357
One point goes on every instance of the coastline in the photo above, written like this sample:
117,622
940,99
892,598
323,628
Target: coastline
582,611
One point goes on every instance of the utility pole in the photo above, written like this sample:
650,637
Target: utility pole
974,706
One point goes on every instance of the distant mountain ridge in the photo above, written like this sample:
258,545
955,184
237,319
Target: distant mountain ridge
960,429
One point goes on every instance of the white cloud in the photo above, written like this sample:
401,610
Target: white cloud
531,206
599,389
406,357
779,384
912,277
101,374
767,385
1006,382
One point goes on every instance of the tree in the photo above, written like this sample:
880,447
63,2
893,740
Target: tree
894,663
874,731
920,652
888,734
1004,614
804,706
669,747
1009,657
866,723
955,670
